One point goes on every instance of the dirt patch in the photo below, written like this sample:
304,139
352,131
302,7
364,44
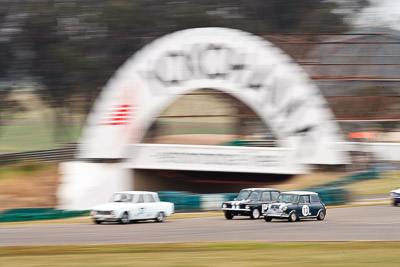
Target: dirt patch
30,191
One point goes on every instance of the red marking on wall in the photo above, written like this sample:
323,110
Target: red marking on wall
119,115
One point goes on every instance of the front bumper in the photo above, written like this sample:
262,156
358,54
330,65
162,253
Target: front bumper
105,218
237,212
276,213
230,209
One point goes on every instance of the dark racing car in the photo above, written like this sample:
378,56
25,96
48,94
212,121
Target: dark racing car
296,205
250,202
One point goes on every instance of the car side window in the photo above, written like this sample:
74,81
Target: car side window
141,200
274,195
315,199
150,198
305,200
128,198
266,196
255,195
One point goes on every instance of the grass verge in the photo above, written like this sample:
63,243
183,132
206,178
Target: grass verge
389,181
207,254
86,219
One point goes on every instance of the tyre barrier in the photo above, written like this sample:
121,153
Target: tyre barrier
18,215
188,201
334,196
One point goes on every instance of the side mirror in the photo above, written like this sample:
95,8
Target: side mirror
235,199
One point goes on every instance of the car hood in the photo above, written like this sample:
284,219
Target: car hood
112,206
396,191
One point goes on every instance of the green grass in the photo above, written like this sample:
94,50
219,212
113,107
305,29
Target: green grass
388,182
19,137
207,254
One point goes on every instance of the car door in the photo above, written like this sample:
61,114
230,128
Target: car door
134,209
150,209
141,207
315,205
265,197
304,207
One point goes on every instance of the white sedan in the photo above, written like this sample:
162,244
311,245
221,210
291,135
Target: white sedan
128,206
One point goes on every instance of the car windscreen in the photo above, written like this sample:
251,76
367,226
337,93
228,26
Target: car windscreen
244,194
121,197
288,198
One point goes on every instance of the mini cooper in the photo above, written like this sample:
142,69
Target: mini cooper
249,202
295,205
128,206
395,196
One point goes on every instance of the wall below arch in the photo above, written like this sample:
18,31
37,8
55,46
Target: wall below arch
201,182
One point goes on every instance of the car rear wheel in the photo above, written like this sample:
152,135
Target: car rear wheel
228,215
293,217
267,219
125,218
321,216
255,213
160,217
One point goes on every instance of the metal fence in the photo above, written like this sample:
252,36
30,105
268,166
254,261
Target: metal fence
52,155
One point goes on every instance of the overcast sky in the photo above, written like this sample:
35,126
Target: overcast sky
380,13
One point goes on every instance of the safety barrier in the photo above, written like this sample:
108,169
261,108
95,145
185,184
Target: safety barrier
334,196
52,155
187,201
17,215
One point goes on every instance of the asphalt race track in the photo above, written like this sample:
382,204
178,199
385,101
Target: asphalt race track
381,223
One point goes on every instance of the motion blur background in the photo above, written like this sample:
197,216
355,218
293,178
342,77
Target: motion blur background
56,55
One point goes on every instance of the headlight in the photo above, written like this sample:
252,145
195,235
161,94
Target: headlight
264,206
224,206
93,212
283,207
247,207
113,212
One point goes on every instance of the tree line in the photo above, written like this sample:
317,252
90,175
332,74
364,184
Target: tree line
70,48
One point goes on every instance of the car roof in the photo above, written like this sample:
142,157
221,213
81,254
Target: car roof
261,189
135,192
300,193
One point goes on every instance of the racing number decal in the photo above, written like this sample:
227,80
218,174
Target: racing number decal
305,210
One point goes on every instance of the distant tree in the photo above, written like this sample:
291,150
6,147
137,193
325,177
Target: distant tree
77,45
8,106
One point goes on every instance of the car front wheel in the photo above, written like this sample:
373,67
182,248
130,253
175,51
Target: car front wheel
267,219
293,217
160,217
255,213
321,216
125,218
97,222
228,216
395,203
